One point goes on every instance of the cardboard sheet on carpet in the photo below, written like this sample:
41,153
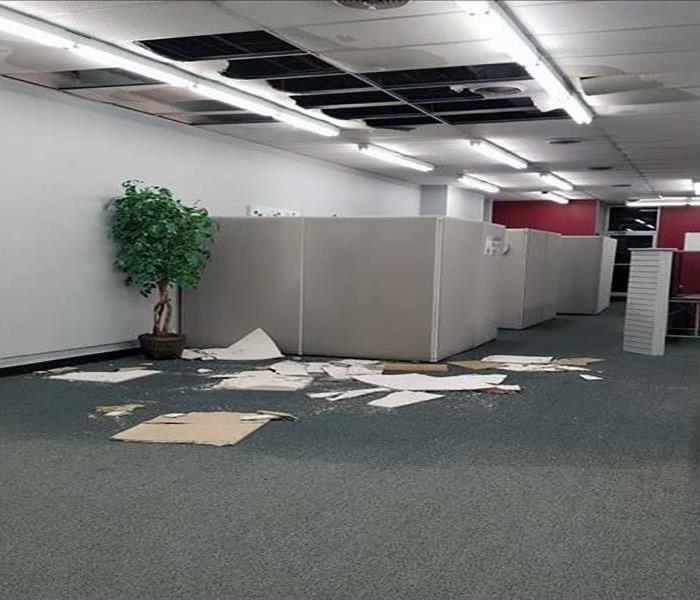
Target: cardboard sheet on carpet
392,367
474,365
257,345
211,428
105,376
403,398
578,361
420,382
517,358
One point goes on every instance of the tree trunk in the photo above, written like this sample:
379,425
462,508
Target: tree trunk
163,310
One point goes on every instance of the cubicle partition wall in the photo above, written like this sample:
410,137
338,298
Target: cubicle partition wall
529,286
585,275
404,288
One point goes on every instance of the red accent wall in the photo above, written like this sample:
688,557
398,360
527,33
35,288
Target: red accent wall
579,217
674,222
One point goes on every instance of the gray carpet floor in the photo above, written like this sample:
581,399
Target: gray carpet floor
570,490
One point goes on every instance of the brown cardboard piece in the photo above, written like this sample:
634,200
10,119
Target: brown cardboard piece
475,365
212,428
579,361
392,367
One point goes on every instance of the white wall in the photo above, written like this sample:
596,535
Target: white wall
454,202
62,158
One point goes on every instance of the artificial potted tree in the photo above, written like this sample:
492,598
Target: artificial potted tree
161,243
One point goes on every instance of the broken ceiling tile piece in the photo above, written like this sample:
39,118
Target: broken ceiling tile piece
173,415
109,410
105,376
580,361
263,381
516,358
278,415
590,377
414,367
212,428
357,393
336,372
420,382
59,370
503,389
257,345
290,367
205,370
315,368
322,394
403,398
353,362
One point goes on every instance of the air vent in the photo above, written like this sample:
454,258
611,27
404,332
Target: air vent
498,90
564,141
372,4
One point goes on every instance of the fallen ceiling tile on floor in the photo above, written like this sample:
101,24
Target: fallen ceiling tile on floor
503,389
257,345
414,367
290,367
591,377
516,358
117,410
403,398
105,376
263,381
420,382
212,428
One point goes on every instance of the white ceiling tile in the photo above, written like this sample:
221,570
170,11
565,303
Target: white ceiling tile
603,15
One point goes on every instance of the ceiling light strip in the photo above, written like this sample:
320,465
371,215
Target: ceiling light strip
511,37
557,182
497,153
696,188
665,201
558,198
395,158
48,34
479,184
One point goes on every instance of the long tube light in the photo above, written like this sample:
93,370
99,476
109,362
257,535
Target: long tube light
557,182
513,40
395,158
497,153
479,184
666,201
558,198
696,188
48,34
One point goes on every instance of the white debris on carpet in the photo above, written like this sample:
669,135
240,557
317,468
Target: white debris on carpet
420,382
515,358
263,381
403,398
257,345
591,377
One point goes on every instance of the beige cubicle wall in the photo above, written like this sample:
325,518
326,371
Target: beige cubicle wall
404,288
529,286
585,274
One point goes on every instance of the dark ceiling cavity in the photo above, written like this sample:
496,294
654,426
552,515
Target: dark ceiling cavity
236,118
242,44
599,168
278,66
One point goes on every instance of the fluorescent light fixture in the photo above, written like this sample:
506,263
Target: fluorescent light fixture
558,198
666,201
394,157
303,122
511,38
34,30
557,182
479,184
129,62
696,188
497,153
48,34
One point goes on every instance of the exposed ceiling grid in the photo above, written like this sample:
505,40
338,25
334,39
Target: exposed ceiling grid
638,68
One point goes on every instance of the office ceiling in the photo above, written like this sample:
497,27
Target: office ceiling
421,79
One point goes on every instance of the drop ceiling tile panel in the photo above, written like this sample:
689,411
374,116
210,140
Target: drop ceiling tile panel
419,57
294,13
388,33
152,20
556,18
48,8
519,180
653,40
88,78
19,56
667,63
